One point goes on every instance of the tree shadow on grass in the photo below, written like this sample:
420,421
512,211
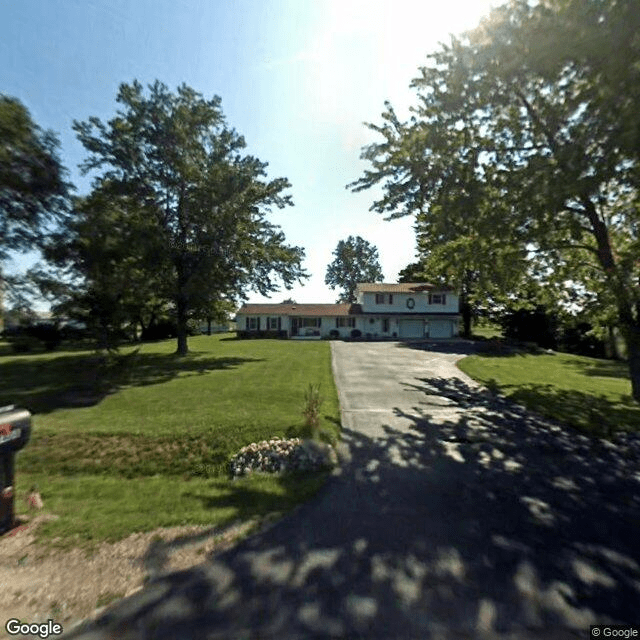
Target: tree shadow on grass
84,380
595,415
462,516
592,414
603,368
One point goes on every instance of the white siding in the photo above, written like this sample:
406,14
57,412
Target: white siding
399,305
264,326
329,325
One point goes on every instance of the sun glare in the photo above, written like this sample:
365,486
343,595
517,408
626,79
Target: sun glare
396,36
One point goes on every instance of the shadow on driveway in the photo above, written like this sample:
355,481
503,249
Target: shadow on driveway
492,524
458,346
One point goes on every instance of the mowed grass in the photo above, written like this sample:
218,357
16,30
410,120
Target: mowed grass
589,394
142,440
486,331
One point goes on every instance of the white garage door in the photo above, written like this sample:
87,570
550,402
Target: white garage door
411,328
440,329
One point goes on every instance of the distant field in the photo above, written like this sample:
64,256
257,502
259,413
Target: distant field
590,394
142,440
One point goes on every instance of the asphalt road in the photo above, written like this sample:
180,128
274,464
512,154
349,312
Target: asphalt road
453,515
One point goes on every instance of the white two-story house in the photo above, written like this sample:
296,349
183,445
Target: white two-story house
400,311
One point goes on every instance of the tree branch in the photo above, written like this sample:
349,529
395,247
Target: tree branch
570,245
551,141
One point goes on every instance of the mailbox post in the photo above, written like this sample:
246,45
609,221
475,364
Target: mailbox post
15,430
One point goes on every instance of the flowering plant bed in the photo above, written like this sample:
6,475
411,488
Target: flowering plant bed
281,456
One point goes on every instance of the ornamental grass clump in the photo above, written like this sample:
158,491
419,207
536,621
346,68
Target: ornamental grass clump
311,411
279,456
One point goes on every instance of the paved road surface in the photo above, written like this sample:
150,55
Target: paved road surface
454,515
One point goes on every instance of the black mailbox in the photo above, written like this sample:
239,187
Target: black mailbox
15,430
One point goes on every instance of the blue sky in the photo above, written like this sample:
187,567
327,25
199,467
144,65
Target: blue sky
297,79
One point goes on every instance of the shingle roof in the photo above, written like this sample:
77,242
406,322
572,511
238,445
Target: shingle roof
399,287
301,309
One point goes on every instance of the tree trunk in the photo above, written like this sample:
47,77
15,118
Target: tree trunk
182,307
633,353
103,336
183,348
208,326
465,309
629,326
1,301
611,346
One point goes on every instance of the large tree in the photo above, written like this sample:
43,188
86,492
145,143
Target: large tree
522,156
174,155
33,190
355,260
109,267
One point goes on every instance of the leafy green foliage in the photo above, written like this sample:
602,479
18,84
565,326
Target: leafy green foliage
32,187
109,266
173,156
356,260
520,160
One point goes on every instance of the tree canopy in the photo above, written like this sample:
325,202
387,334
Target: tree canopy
175,161
521,157
356,260
109,265
33,191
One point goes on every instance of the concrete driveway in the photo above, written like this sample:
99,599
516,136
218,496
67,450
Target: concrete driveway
454,515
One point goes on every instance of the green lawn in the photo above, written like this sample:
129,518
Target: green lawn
589,394
486,331
142,440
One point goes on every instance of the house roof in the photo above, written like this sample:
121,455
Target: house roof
393,287
345,309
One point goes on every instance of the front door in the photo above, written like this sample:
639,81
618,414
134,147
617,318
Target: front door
294,326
